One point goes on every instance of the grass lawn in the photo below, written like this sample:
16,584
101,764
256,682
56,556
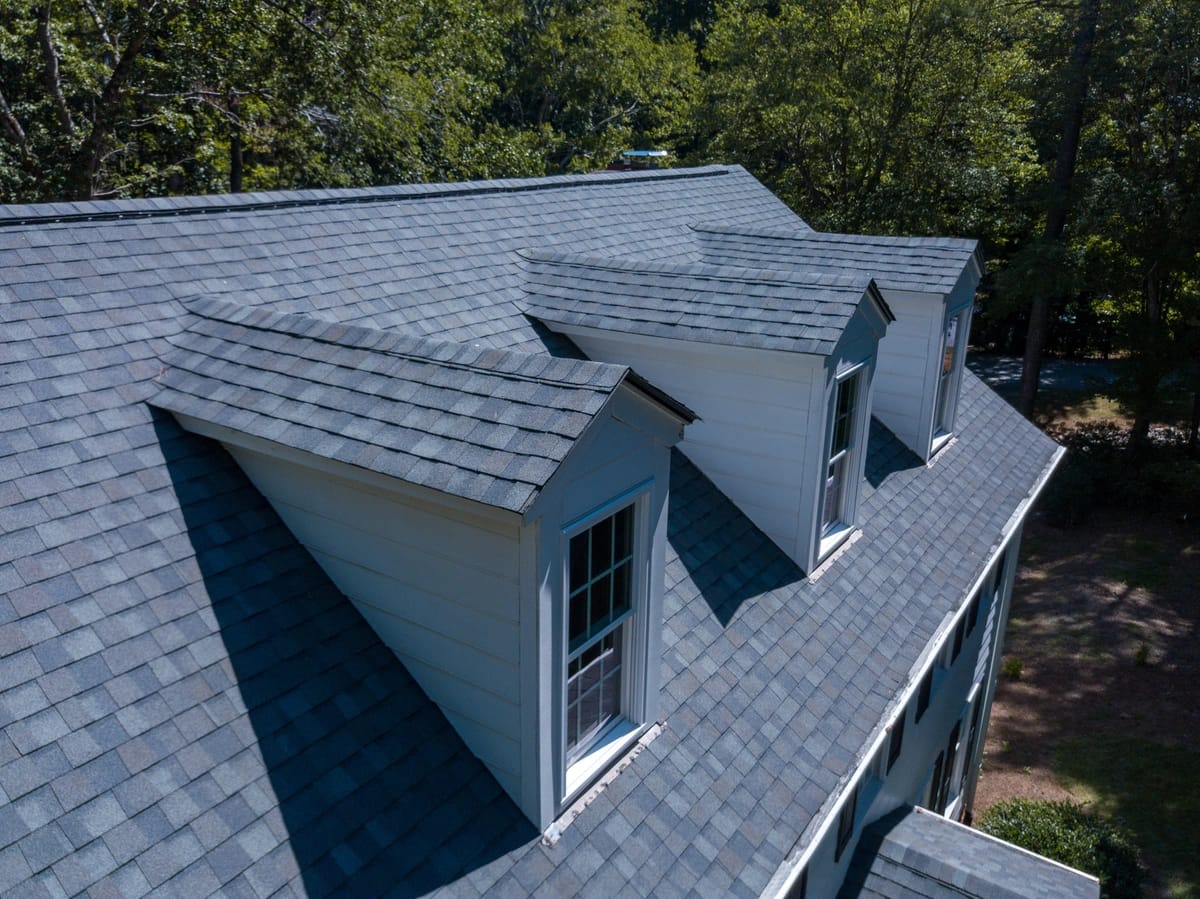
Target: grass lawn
1149,787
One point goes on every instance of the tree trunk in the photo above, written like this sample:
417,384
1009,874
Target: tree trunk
236,163
1194,430
1075,94
1148,371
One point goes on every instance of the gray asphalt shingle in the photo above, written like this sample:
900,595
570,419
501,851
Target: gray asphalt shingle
207,672
493,425
912,852
693,301
931,264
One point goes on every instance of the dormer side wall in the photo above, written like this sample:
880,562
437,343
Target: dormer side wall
439,585
907,366
758,433
910,356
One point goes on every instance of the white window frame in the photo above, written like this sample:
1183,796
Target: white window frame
582,766
831,535
945,395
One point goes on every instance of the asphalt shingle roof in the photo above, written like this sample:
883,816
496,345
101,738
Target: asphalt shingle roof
483,424
693,301
915,853
930,264
186,701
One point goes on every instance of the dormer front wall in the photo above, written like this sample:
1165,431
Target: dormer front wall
621,469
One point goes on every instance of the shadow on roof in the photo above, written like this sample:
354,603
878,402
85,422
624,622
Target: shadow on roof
886,455
728,559
375,791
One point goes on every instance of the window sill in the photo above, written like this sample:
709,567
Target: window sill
940,439
831,541
581,773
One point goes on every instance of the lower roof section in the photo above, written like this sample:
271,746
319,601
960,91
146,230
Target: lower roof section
916,853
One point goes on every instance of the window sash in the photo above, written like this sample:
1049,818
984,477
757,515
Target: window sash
841,446
601,589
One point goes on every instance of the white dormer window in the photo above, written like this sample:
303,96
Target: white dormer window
600,604
844,465
605,698
948,376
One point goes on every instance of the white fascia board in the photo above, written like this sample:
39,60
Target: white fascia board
346,472
813,835
633,406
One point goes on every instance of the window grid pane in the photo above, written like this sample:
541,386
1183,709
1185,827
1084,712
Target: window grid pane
601,596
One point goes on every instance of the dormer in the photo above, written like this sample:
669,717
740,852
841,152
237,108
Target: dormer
498,518
929,283
778,366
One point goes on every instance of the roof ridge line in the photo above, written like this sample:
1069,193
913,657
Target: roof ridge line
263,319
204,204
696,269
814,235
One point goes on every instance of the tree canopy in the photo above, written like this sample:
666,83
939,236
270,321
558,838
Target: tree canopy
1065,134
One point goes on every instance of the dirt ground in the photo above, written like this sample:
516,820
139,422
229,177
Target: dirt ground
1104,622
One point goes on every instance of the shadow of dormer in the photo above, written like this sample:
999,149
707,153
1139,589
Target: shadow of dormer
726,557
374,790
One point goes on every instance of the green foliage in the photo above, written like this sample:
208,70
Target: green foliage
1064,832
1097,472
1151,788
874,115
1012,668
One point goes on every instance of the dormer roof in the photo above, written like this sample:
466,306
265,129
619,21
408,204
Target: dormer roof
923,264
482,424
716,304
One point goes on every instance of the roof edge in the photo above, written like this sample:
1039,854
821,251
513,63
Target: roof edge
734,273
210,204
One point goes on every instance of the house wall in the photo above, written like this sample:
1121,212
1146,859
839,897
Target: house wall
440,586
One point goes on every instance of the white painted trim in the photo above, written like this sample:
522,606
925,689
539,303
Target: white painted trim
818,828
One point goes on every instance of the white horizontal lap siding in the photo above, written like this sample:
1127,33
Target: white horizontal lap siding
439,587
755,424
906,369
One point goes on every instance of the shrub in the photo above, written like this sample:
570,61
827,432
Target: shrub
1066,833
1012,668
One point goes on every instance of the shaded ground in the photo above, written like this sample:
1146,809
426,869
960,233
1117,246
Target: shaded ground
1107,708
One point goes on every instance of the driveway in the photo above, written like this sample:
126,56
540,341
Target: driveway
1003,372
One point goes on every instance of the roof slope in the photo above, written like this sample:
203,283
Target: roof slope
431,260
916,853
182,691
486,425
930,264
706,303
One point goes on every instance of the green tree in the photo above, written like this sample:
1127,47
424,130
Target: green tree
875,115
591,79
